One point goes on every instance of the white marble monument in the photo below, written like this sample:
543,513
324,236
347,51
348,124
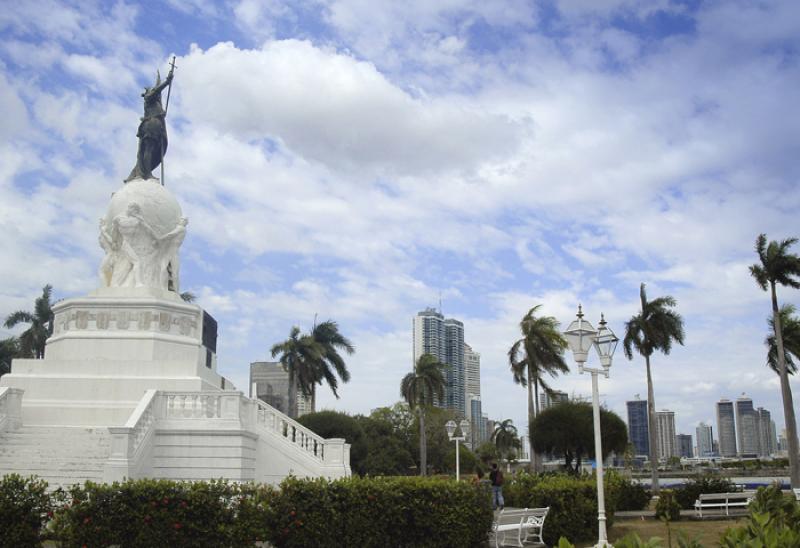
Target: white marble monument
129,388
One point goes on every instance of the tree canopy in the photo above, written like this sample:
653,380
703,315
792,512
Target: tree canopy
567,429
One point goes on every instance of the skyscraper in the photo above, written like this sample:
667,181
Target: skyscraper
746,427
766,445
478,425
547,401
705,440
472,371
665,434
637,426
684,445
269,382
444,339
726,428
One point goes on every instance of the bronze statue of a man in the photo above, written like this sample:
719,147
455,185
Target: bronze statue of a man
152,131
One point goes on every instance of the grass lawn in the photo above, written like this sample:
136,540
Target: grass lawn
707,532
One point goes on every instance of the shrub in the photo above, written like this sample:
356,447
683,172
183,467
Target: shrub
25,506
628,494
572,502
164,513
774,521
689,493
667,507
367,512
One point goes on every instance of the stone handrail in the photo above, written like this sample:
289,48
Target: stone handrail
10,408
291,430
128,442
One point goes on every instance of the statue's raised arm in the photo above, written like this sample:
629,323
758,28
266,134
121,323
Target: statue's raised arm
152,132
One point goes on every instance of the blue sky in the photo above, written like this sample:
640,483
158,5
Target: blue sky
355,160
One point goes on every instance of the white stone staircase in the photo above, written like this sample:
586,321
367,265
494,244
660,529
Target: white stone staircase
61,455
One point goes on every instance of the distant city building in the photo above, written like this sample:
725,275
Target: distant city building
637,427
269,382
444,339
684,445
705,440
547,401
764,428
472,372
746,427
477,423
665,434
726,428
487,427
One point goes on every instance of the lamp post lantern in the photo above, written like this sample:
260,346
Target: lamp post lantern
580,336
451,428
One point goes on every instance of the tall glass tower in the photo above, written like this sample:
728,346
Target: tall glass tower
637,427
726,428
443,338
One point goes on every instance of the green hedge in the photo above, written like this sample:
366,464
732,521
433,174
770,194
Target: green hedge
364,512
572,502
629,494
25,507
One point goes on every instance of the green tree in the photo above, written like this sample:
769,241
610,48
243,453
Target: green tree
567,429
790,328
388,451
32,341
298,356
777,266
9,350
540,351
331,363
655,327
487,453
506,439
188,297
419,388
334,424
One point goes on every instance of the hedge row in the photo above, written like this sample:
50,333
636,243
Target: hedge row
397,512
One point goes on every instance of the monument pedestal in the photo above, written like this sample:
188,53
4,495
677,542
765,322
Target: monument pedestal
105,352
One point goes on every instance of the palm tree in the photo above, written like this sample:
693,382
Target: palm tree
779,267
298,355
790,329
327,335
543,347
33,340
9,350
419,388
654,328
505,438
188,297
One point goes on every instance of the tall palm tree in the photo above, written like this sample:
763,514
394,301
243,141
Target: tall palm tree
331,364
298,355
790,329
777,266
505,438
419,388
33,340
540,351
655,327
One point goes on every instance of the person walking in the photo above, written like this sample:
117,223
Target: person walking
496,478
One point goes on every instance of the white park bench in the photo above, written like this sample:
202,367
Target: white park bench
796,493
516,527
722,501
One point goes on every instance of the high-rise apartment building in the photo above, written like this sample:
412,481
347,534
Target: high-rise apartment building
444,339
746,427
684,445
547,401
477,434
665,434
269,382
766,445
726,428
472,372
638,431
705,440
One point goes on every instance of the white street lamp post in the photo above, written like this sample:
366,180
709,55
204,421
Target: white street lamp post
451,428
581,335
